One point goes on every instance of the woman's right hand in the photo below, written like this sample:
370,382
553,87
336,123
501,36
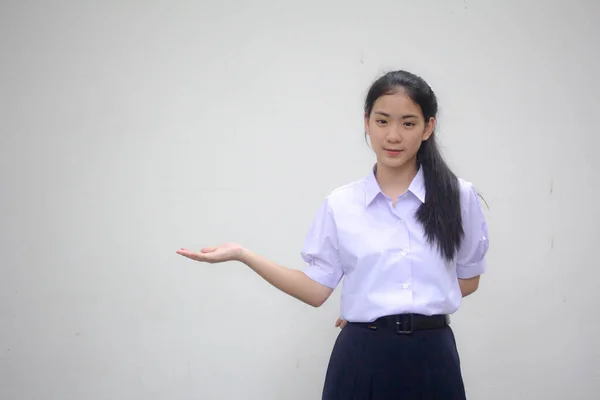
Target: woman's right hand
291,281
222,253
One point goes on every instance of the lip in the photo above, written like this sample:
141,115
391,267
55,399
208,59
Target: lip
393,152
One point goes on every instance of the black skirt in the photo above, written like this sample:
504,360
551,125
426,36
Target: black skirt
371,364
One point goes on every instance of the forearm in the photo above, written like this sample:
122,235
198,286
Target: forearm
288,280
468,286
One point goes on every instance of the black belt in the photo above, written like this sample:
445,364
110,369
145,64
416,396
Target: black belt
404,324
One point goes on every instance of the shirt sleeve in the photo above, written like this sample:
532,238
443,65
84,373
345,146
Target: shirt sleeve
471,255
321,249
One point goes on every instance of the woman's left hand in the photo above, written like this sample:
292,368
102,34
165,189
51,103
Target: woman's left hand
341,323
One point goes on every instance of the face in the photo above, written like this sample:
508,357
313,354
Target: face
396,129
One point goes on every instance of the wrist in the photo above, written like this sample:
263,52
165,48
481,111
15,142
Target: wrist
243,255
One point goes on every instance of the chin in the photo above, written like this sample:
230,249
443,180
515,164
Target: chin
392,163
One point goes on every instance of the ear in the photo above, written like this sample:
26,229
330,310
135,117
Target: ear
366,117
429,128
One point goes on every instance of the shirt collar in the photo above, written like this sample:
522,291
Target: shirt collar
416,187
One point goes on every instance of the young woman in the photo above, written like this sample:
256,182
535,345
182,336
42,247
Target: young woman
410,241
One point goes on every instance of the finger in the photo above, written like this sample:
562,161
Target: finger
343,324
338,322
208,249
191,255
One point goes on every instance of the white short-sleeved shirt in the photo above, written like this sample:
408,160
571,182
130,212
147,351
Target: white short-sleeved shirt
383,256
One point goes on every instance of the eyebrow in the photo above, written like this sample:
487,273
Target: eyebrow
388,115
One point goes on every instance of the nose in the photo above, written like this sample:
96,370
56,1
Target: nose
393,134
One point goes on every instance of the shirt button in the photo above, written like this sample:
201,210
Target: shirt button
403,253
405,286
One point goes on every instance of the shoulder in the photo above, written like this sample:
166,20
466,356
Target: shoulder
469,197
338,203
465,187
348,194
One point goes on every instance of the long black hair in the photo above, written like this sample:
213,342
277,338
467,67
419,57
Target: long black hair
440,214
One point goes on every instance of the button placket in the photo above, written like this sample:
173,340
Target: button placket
405,273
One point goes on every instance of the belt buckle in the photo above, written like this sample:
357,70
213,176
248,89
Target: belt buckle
401,320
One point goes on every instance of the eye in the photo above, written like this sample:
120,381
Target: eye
409,124
381,121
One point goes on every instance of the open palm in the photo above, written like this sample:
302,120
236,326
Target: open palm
222,253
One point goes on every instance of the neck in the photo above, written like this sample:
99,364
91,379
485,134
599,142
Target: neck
395,181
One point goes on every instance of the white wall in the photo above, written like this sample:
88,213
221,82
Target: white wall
130,129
